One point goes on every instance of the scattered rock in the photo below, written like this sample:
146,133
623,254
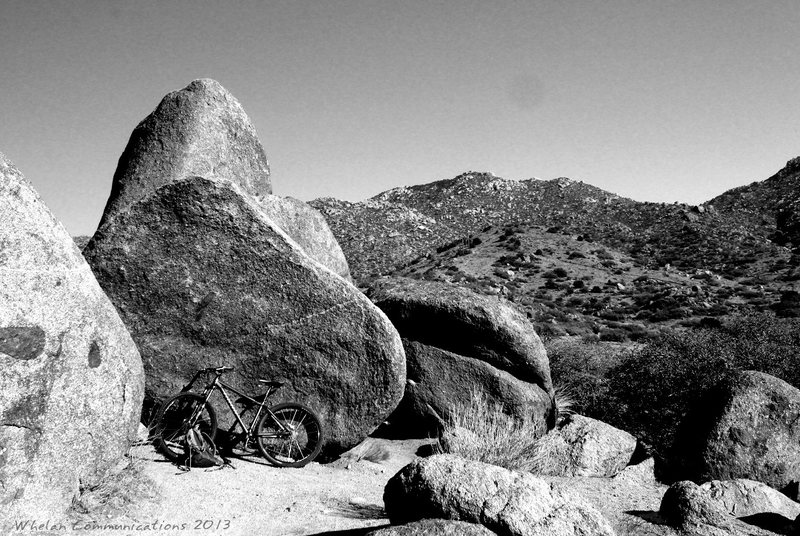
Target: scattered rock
72,383
506,502
643,473
582,446
203,277
434,527
686,505
458,342
742,497
748,426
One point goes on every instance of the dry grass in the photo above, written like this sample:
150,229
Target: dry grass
565,400
481,431
119,492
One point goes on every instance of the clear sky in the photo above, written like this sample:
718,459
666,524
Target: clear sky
654,100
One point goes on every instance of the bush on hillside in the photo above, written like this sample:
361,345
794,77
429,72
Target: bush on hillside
581,365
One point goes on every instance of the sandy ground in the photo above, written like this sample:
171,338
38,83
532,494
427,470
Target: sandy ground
344,498
252,497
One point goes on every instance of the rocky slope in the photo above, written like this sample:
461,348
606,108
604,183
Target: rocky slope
586,259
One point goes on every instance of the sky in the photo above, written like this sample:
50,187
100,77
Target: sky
653,100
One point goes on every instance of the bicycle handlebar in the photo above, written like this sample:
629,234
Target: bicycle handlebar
216,370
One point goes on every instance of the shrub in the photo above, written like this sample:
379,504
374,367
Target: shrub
650,392
581,367
481,431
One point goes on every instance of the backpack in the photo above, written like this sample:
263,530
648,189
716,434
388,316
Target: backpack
200,451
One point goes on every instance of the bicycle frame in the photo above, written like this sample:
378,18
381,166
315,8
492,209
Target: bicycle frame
217,384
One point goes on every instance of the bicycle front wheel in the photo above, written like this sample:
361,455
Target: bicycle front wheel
176,416
289,435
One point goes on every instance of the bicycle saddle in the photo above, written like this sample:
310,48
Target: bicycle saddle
270,383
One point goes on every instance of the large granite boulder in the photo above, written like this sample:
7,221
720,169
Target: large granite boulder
748,426
72,383
202,130
459,344
582,446
202,277
506,502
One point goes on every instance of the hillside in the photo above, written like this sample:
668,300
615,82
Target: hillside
578,259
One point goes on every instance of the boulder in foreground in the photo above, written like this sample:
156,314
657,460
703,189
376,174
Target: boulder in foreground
506,502
583,446
72,383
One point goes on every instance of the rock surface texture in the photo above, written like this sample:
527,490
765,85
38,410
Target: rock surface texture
742,497
72,383
686,505
748,426
202,130
458,342
308,228
587,447
506,502
434,527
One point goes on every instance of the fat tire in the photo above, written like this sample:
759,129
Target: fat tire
291,412
166,434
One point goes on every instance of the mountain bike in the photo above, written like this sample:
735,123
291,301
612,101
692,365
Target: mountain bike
287,434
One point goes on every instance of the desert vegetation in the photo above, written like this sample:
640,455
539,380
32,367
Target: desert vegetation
482,431
647,388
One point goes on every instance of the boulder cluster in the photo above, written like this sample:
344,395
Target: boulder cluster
460,344
196,263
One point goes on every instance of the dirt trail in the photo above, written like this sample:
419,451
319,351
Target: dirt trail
343,498
253,497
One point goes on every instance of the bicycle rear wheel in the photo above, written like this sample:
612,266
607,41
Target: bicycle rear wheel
289,435
174,418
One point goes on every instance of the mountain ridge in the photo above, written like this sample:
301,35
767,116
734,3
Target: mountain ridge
552,241
441,211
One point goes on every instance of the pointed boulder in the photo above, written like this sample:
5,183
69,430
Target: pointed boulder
72,382
202,130
199,130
